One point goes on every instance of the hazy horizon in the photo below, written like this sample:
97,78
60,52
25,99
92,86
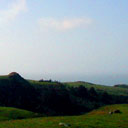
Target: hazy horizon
102,79
65,40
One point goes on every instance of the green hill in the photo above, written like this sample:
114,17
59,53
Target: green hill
121,86
120,89
9,113
99,118
114,90
53,98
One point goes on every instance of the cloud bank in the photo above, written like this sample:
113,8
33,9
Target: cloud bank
64,24
10,14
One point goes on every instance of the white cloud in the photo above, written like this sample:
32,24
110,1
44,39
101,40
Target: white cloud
14,9
65,24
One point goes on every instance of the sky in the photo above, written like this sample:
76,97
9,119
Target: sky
65,40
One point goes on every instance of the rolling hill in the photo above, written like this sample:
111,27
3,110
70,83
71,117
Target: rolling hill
99,118
55,98
120,89
114,90
9,113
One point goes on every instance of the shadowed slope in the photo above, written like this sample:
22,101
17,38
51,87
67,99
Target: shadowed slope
17,92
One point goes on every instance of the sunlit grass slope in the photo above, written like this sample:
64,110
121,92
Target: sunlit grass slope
95,119
8,113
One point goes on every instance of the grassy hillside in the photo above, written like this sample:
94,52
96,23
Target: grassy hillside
55,98
100,88
8,113
114,90
121,85
95,119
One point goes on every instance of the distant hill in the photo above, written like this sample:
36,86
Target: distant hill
13,79
114,90
83,82
121,86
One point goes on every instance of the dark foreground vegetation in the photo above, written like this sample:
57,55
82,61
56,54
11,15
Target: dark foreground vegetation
52,98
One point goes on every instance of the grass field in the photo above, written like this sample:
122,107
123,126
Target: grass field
96,119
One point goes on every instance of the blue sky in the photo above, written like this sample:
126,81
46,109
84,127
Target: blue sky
66,40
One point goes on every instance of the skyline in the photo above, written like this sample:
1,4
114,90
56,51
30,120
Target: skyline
65,40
